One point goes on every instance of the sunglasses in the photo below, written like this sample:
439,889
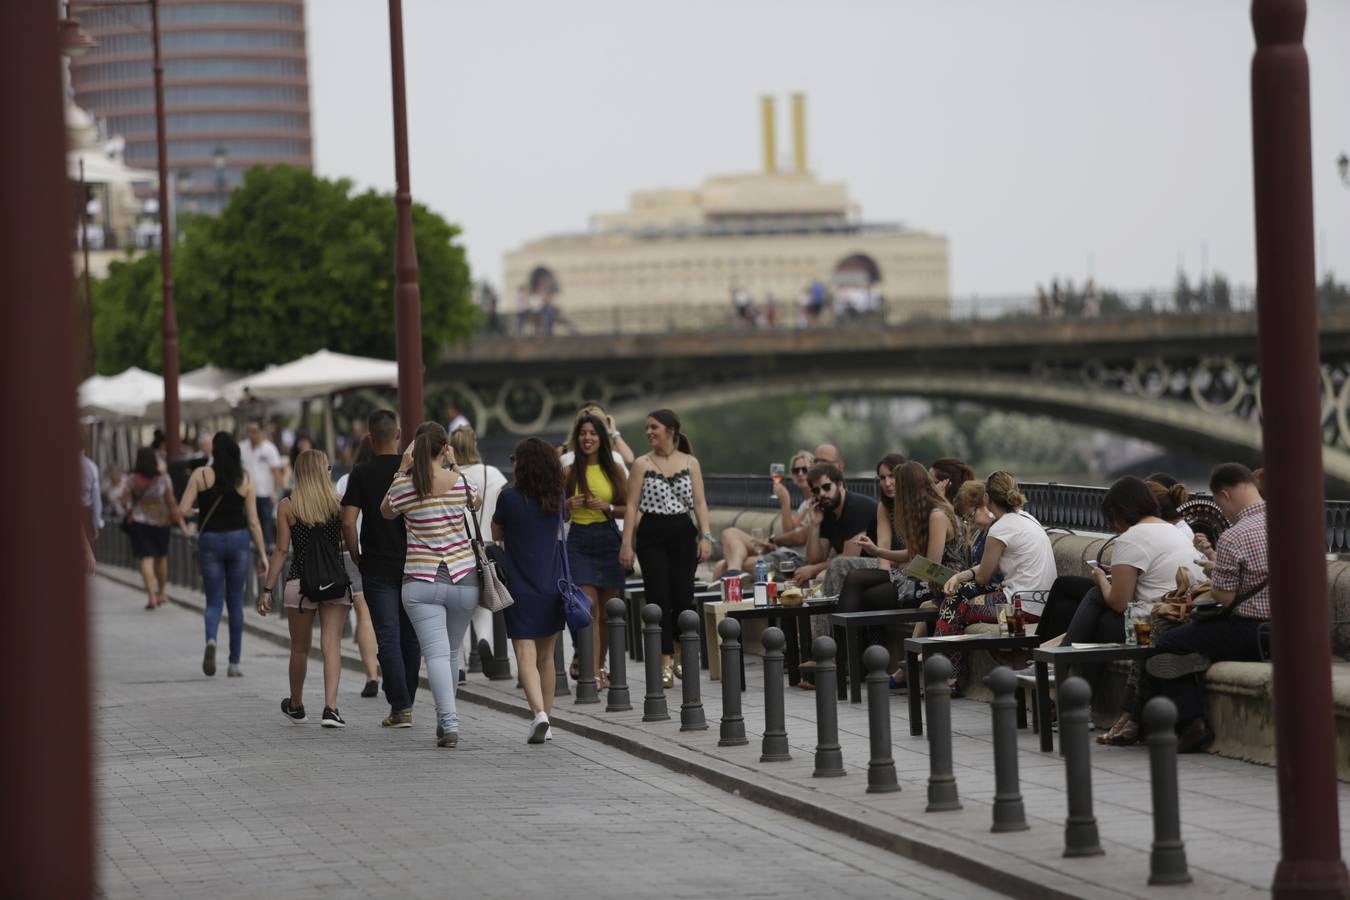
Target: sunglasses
800,470
823,488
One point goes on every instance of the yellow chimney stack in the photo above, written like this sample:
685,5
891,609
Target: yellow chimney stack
769,127
799,131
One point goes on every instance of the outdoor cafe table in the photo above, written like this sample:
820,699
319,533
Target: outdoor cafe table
1062,657
944,645
795,622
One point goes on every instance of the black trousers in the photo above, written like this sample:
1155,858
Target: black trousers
667,550
1230,638
1094,622
1065,595
869,590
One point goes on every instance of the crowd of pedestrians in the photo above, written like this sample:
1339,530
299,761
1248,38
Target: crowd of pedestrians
395,542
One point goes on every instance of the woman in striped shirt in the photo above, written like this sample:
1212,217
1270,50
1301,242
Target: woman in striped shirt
440,584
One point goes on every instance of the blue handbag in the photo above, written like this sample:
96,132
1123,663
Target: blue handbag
576,605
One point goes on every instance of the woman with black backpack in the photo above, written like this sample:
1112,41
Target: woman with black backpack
317,580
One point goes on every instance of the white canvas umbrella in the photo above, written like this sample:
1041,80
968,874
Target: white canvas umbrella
99,168
319,374
133,396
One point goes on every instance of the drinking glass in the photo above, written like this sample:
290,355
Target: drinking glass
776,471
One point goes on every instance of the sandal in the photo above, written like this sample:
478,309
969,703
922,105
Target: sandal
1123,733
602,680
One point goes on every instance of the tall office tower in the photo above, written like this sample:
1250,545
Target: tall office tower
236,88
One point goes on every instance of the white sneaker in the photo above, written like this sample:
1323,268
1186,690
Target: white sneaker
538,729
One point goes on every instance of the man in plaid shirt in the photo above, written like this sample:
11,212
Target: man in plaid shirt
1238,574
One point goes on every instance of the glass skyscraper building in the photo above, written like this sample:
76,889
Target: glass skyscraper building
236,88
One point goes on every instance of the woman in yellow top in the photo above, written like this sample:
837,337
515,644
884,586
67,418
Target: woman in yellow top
594,485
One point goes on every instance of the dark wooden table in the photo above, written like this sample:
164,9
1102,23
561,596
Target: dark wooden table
945,645
1062,657
848,625
796,625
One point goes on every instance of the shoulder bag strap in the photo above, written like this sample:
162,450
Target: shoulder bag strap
562,548
1247,595
476,542
220,495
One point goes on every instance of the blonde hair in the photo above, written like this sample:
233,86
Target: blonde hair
314,502
970,496
801,454
1002,490
465,444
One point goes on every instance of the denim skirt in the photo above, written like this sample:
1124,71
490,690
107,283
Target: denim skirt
593,554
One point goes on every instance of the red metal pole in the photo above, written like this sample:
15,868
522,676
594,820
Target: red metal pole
172,428
45,774
407,294
1305,740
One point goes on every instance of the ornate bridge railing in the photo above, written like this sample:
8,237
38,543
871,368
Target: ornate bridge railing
1067,506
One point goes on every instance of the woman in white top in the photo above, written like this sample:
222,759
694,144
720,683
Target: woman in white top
1016,545
365,631
487,482
1144,565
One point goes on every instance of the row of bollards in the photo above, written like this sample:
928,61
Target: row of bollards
1167,862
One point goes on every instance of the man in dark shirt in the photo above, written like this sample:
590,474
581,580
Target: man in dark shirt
837,518
383,544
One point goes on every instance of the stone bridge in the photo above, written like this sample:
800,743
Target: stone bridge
1187,380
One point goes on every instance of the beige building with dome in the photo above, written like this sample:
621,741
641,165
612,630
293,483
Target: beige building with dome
678,252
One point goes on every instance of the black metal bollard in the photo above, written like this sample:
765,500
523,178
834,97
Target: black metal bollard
937,702
586,692
501,663
774,747
475,664
560,688
733,723
1075,719
1167,859
618,697
691,709
654,703
881,767
829,756
1009,813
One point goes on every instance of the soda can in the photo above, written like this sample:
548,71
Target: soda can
731,589
773,593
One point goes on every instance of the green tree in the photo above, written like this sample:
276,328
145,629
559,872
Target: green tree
296,263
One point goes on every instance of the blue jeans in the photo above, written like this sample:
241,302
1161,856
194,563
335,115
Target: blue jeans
267,518
441,613
224,558
396,642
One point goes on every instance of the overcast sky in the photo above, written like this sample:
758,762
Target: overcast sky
1042,137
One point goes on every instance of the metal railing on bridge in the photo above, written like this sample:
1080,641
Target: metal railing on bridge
788,315
1070,507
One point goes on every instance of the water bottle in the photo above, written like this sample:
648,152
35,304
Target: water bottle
1131,639
761,583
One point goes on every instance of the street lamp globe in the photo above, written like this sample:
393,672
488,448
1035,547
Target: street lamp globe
1343,166
219,156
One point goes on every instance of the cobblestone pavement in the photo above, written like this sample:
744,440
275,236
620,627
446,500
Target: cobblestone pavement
204,790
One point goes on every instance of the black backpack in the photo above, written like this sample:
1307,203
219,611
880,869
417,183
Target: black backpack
322,574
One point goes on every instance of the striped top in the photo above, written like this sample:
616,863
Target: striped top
437,531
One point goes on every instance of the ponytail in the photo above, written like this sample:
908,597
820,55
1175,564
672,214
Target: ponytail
1001,488
429,444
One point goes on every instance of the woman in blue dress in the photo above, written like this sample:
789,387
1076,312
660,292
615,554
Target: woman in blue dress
527,523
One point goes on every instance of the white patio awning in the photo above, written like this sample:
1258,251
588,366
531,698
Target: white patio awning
315,375
137,395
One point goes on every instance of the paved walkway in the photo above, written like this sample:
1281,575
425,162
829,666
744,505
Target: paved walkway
204,790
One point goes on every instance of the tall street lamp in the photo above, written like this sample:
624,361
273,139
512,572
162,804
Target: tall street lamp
169,320
1286,308
407,295
46,764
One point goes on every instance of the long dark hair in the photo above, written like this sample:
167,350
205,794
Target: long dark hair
538,473
892,461
1127,501
604,457
955,472
429,444
668,418
916,496
225,460
365,451
147,463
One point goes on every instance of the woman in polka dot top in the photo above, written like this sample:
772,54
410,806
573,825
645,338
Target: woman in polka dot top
664,488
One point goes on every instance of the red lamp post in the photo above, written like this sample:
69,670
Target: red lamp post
1305,741
407,294
46,764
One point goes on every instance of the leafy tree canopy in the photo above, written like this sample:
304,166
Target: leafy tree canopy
296,263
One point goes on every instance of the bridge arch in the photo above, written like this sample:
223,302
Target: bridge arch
1163,420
